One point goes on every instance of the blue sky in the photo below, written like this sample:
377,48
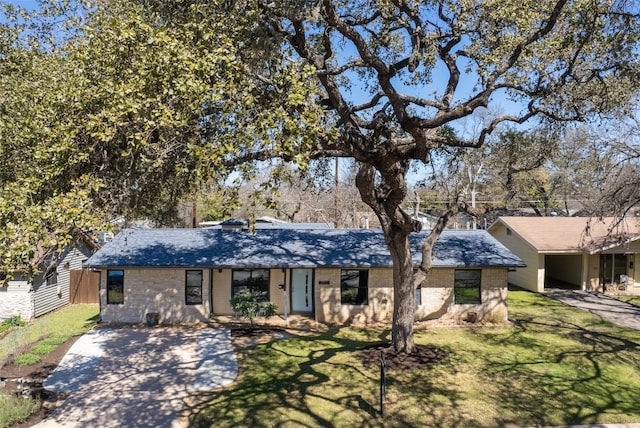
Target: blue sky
29,4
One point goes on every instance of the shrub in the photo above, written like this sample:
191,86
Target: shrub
14,321
16,409
249,305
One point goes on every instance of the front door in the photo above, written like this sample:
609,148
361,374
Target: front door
302,290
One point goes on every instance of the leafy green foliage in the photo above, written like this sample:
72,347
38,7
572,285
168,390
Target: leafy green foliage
249,305
9,323
27,359
48,345
124,108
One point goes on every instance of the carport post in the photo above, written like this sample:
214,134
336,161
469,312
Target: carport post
283,287
284,292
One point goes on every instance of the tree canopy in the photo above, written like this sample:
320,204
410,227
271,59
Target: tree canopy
118,108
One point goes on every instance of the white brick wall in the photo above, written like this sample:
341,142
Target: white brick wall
437,297
162,291
16,299
159,291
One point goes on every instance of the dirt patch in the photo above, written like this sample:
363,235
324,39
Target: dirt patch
246,337
16,379
424,356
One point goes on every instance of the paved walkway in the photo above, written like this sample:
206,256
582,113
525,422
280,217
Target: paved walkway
608,308
138,377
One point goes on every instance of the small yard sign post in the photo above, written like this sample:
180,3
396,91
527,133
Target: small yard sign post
383,388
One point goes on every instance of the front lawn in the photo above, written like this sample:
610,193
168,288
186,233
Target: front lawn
555,366
57,326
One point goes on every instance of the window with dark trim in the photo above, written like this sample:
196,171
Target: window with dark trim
51,275
243,280
354,287
419,295
193,287
466,286
115,287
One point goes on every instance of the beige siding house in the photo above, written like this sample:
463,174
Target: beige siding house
49,290
595,254
335,276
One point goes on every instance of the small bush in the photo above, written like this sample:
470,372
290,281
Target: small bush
248,305
14,321
55,340
15,409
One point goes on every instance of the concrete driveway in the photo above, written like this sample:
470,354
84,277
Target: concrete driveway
138,377
610,309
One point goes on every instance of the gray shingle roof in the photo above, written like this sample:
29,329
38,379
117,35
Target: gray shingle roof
287,248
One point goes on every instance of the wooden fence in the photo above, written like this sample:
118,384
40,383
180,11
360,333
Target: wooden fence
84,286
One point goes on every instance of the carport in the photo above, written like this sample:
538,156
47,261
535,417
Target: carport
572,252
563,271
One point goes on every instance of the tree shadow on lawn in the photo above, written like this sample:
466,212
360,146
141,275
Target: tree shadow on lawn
308,381
546,370
575,374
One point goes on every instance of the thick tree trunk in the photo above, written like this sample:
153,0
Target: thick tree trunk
396,225
404,302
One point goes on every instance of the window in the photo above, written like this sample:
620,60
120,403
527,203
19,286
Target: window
354,287
115,287
51,275
419,295
466,286
244,280
193,287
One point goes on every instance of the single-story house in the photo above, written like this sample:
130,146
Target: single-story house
582,253
335,276
30,296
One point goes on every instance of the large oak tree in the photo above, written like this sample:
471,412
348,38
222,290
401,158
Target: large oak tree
396,76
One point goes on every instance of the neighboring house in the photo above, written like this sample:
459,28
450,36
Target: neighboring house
333,275
572,252
50,289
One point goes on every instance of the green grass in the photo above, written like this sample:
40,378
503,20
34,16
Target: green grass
634,300
556,366
26,359
16,409
57,326
37,338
